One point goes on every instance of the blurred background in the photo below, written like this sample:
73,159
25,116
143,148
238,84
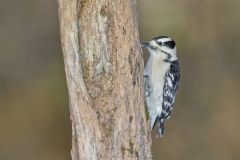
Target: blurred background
34,116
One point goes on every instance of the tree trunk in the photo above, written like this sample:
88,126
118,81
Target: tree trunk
104,70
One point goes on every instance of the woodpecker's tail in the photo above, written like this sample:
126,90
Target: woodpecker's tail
160,128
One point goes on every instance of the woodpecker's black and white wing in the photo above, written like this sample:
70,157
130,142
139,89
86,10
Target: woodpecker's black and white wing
171,82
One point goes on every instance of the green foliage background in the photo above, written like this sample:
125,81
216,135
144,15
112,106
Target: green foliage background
34,116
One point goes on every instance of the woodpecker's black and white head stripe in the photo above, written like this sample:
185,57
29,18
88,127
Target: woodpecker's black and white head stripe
165,41
163,44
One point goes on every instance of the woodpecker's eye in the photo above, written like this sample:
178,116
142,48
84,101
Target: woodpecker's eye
160,43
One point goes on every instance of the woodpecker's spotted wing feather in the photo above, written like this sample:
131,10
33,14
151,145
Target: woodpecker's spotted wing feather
171,82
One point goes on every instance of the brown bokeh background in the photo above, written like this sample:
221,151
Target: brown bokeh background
34,116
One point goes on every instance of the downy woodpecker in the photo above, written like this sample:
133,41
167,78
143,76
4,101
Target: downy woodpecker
161,80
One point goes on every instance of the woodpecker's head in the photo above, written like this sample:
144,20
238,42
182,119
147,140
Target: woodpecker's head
162,47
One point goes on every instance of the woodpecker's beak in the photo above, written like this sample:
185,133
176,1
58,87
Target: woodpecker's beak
145,44
149,45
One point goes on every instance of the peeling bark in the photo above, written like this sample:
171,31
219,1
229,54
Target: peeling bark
104,70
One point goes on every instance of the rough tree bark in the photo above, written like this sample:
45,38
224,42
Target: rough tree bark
104,70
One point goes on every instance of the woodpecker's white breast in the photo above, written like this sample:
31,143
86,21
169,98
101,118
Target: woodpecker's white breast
155,69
